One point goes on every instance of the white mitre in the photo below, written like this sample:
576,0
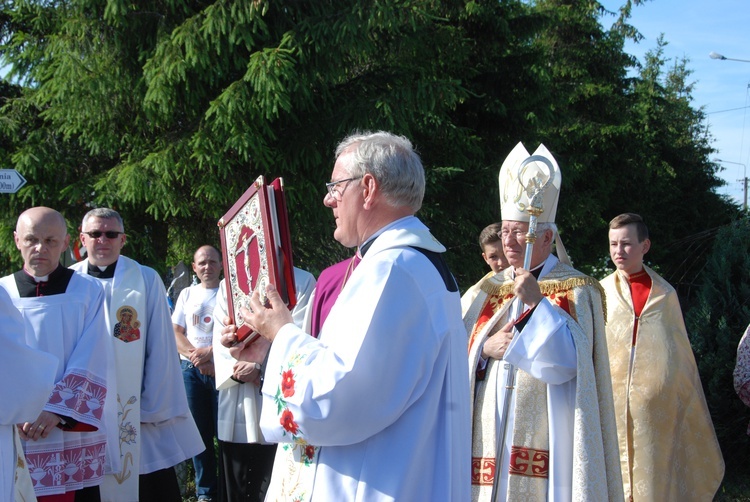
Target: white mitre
514,199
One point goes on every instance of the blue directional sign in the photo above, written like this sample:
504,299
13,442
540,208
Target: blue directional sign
11,181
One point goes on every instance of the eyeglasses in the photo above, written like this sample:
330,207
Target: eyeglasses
333,192
516,234
110,234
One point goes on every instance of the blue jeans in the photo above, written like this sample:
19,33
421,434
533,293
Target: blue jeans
203,399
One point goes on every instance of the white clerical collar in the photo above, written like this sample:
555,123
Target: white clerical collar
548,264
43,278
538,266
366,245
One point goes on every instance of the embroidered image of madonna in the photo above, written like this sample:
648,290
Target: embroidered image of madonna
127,325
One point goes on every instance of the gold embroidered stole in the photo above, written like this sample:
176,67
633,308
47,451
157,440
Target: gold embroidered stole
529,455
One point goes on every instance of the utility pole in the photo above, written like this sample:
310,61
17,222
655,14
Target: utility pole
721,57
743,180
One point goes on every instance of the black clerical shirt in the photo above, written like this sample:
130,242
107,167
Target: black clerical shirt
56,283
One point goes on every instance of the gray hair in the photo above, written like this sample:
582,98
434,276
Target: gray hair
104,213
392,161
547,225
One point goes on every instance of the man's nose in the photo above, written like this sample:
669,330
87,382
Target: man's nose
328,200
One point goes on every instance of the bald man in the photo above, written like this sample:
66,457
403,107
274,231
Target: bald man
152,428
193,324
65,444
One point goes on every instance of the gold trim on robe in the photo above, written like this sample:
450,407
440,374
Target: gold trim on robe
668,445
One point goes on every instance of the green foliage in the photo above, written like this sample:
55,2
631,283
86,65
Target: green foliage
167,111
586,69
715,325
669,159
627,144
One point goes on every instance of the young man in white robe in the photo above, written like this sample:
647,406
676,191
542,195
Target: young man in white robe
556,440
384,390
21,403
246,459
65,444
150,426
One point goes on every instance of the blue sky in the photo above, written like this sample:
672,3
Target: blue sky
693,29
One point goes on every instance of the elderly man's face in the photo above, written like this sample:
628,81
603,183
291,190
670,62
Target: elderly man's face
102,251
346,204
41,240
513,234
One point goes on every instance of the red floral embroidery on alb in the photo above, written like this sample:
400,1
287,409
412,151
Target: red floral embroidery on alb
287,383
288,423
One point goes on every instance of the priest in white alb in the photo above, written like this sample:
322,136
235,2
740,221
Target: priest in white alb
557,438
384,390
150,427
65,444
21,403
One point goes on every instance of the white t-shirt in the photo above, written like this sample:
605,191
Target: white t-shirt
194,311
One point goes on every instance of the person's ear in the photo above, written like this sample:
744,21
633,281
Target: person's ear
549,237
370,190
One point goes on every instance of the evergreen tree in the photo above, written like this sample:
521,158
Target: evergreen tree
715,324
586,68
167,111
668,163
627,143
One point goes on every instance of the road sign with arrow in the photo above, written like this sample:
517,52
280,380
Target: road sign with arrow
11,181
